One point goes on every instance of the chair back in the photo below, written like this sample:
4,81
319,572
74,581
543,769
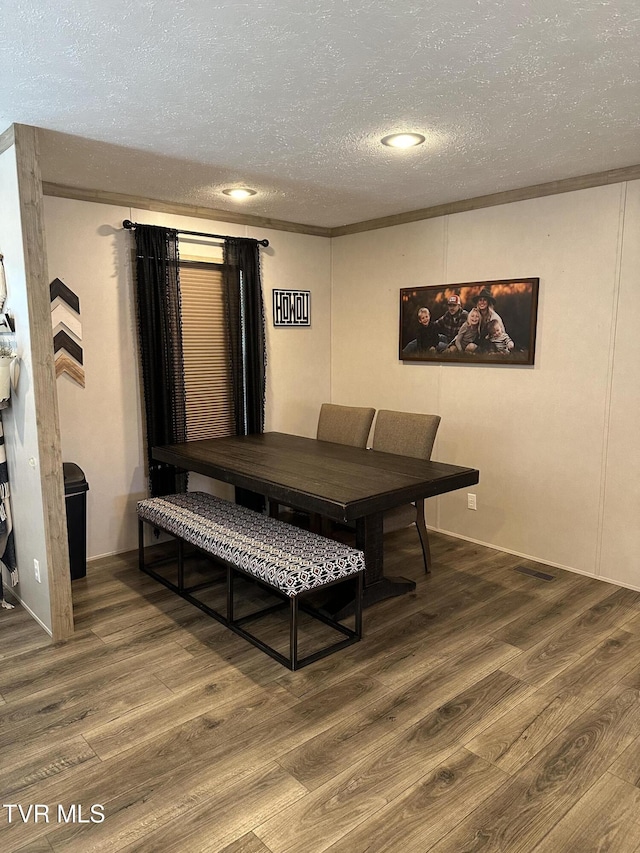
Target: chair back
345,424
405,433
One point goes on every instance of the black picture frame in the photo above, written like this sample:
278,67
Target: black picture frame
291,308
505,333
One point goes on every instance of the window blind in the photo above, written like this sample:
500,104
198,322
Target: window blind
206,354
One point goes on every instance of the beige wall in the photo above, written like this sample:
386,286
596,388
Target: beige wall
620,545
299,359
555,442
101,424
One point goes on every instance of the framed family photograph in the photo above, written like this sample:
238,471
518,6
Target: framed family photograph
479,322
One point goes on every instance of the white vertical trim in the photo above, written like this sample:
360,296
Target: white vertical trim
331,287
445,280
609,383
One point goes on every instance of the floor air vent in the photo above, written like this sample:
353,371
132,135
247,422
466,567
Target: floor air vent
534,574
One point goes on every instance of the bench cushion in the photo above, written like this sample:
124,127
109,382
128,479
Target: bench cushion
288,558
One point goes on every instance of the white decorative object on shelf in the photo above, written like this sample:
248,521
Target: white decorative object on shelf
9,368
14,372
5,375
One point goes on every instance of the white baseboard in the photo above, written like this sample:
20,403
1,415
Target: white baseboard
30,612
536,559
466,539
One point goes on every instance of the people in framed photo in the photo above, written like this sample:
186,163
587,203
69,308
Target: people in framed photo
488,322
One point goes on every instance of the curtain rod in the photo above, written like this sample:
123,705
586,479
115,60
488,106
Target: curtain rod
129,225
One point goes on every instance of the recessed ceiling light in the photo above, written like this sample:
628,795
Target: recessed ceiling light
239,192
403,140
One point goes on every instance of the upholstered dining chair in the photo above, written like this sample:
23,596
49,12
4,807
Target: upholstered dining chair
341,425
345,424
407,434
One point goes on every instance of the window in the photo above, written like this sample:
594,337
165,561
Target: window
206,353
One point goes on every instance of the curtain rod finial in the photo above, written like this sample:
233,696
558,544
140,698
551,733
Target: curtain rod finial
128,224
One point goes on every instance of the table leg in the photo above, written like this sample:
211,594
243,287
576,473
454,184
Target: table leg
369,540
252,500
377,587
274,508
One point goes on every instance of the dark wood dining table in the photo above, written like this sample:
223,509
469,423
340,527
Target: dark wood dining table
346,484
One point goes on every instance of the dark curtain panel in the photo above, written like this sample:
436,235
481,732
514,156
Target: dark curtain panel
243,289
245,312
160,338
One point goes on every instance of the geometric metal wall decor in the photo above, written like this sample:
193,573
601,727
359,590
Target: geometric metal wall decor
67,331
291,308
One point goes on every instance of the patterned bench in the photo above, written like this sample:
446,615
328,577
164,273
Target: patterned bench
285,559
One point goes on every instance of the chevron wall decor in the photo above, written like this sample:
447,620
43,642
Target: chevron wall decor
67,331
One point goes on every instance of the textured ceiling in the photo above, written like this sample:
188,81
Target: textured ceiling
177,100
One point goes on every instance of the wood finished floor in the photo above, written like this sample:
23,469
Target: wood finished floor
488,711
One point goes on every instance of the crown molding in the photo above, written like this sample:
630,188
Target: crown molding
566,185
597,179
124,200
7,138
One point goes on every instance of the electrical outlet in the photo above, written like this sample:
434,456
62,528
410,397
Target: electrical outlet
36,569
471,501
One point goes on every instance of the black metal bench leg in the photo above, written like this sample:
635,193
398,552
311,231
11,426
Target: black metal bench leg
293,639
230,579
141,544
180,565
358,603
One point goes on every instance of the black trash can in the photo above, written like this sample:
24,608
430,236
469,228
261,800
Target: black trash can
75,496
